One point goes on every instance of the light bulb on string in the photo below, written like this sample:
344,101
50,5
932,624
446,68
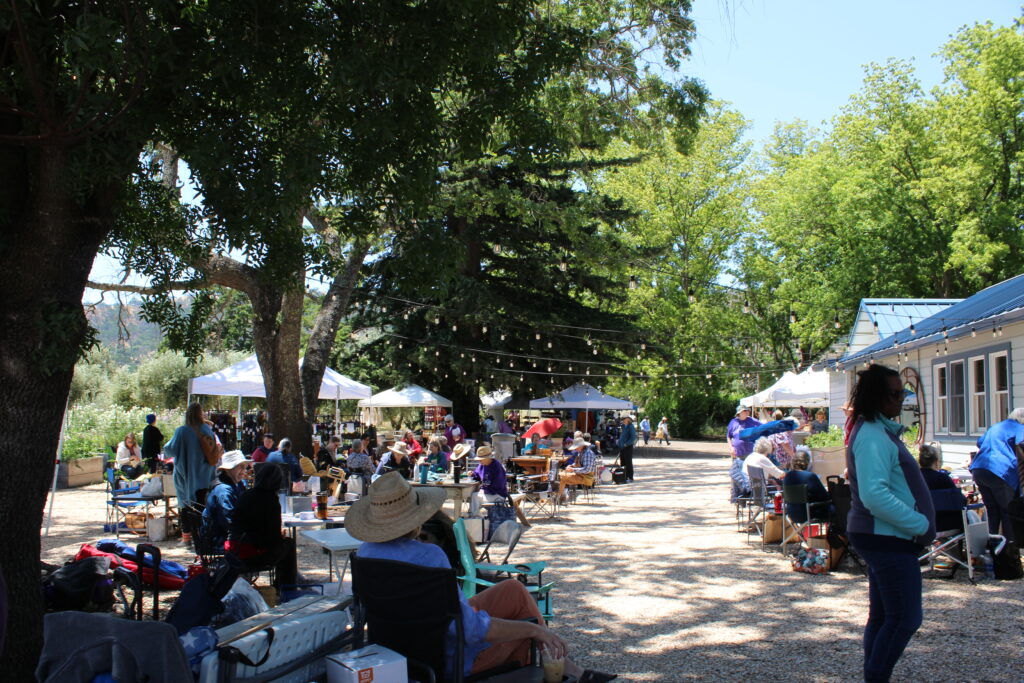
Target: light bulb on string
643,346
497,249
792,317
484,328
537,336
455,327
595,351
974,332
563,265
549,344
502,336
691,297
437,320
746,311
913,330
405,316
945,332
632,282
693,348
1000,330
835,321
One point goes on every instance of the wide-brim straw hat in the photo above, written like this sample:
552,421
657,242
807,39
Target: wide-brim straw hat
391,509
400,448
484,453
461,450
579,445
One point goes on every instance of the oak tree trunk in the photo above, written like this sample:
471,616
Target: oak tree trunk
49,237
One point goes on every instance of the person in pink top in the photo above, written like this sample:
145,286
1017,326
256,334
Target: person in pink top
264,449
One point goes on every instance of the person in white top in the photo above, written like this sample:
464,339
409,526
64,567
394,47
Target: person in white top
759,458
129,457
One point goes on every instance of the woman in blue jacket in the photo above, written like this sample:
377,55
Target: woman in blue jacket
891,518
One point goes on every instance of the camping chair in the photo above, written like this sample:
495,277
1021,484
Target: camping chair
541,492
757,508
121,501
408,608
958,547
814,512
471,579
507,534
842,498
208,554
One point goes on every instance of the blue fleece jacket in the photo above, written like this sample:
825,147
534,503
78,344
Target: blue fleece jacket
996,454
628,436
890,497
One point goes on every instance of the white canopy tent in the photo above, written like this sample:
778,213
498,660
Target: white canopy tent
808,389
580,397
245,380
412,396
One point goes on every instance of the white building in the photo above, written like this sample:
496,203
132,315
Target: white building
963,363
877,319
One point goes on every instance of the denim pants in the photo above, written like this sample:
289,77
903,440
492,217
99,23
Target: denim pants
894,612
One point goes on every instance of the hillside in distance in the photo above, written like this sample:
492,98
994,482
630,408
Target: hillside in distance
121,329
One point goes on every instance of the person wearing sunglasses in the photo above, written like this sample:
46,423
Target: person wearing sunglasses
891,518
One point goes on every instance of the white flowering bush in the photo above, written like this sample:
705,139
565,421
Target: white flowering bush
92,430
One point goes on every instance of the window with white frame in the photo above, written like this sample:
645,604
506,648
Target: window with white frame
979,398
1000,386
957,398
941,399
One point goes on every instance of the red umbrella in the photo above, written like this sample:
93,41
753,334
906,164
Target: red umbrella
545,427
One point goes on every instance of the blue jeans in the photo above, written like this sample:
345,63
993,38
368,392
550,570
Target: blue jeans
894,612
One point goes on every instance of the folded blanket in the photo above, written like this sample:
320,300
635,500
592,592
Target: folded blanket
786,424
120,548
167,581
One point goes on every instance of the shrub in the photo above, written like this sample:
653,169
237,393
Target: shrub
92,430
829,439
691,414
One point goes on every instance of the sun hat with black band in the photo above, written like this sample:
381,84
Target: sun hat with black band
391,509
484,453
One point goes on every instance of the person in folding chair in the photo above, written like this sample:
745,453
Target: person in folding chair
582,472
891,521
493,480
388,521
929,457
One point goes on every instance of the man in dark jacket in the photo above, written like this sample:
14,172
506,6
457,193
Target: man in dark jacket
152,441
627,438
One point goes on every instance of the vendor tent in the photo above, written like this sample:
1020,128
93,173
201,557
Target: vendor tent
245,380
412,396
580,397
808,389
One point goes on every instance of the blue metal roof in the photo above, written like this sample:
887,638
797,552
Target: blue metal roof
892,315
994,305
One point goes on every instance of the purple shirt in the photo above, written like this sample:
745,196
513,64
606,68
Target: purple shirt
492,478
475,623
455,434
741,448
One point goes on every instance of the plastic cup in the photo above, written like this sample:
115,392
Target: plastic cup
554,670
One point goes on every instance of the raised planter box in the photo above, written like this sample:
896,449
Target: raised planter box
81,472
827,462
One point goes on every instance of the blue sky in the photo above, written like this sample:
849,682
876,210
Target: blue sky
778,60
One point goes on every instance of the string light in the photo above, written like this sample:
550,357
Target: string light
792,317
746,310
563,265
913,330
974,333
484,329
835,321
497,249
691,297
632,282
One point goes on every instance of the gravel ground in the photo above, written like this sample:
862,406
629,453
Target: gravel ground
654,583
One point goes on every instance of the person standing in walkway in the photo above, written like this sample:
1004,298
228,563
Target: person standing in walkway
645,429
627,439
196,452
995,470
740,450
891,518
453,432
663,431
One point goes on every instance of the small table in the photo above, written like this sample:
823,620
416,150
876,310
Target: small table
534,464
457,493
334,541
292,523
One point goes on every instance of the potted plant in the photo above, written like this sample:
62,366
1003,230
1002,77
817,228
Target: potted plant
828,453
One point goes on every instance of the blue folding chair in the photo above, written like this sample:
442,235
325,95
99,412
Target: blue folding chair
121,501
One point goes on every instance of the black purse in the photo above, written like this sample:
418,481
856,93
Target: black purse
1007,565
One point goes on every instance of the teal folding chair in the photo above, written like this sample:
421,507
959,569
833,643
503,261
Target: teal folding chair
470,581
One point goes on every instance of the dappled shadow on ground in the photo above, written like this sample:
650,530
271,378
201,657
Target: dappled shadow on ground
655,582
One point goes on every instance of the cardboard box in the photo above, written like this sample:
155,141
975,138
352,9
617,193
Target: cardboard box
773,528
835,555
370,664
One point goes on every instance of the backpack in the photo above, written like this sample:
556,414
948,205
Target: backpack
83,585
1007,565
619,475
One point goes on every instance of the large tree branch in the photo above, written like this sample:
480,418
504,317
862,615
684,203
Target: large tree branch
325,328
200,283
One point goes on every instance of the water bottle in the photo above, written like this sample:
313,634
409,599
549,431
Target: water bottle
990,566
778,503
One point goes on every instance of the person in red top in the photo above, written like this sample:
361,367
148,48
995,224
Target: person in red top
264,449
414,445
